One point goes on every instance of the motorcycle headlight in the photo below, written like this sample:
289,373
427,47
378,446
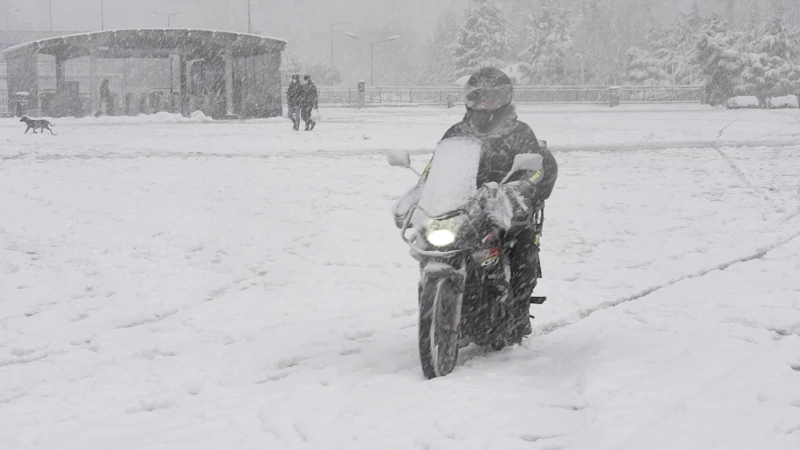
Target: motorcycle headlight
441,233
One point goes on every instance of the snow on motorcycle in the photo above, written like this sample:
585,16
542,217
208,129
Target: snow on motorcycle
456,231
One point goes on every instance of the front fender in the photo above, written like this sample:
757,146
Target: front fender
438,269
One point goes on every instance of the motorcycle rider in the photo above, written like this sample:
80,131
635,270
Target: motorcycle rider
491,118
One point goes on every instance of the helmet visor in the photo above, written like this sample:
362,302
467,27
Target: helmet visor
485,98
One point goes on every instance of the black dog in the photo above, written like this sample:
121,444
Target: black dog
37,123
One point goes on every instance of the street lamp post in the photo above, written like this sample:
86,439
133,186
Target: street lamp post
333,64
8,18
372,53
50,13
249,16
102,15
167,15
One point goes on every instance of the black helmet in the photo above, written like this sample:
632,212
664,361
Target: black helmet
488,89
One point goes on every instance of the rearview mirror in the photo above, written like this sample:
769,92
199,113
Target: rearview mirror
526,162
399,158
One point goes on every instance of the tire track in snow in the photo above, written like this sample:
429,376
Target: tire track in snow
718,148
758,254
585,313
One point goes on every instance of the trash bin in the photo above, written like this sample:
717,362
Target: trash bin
451,100
362,93
613,96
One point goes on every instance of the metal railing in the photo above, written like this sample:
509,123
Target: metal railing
522,95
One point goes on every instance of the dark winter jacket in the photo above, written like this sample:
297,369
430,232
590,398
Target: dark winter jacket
507,138
293,94
308,96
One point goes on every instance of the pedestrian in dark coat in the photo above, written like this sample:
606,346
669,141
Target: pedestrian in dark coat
309,100
293,96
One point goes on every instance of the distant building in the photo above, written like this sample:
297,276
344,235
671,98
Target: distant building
223,74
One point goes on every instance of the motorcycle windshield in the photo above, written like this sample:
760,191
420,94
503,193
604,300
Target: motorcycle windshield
452,178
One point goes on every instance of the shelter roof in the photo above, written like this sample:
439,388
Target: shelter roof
149,43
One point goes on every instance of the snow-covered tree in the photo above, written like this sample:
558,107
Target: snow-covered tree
548,40
484,39
439,61
644,68
721,62
730,14
771,62
779,41
754,14
695,18
678,46
601,37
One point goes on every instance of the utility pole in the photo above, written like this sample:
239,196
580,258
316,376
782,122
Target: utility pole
102,15
50,13
249,16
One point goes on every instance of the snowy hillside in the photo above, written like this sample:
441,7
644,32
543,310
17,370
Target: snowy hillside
212,285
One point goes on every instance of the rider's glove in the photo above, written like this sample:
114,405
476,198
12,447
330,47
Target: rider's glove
508,205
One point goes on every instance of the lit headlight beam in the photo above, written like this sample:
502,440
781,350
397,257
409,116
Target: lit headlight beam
441,233
441,238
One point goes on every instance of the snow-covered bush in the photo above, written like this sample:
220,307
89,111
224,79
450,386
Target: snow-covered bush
743,102
787,101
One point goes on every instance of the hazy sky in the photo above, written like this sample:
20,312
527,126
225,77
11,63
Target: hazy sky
305,24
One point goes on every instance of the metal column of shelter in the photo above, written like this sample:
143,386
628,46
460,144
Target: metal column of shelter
184,85
94,94
61,74
229,83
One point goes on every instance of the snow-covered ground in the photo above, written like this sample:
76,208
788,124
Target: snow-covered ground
208,285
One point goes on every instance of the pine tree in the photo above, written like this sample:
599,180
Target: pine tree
678,47
439,62
695,18
771,69
730,13
548,41
484,40
721,62
644,68
754,14
597,39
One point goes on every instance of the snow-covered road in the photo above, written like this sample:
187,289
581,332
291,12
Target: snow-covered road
241,286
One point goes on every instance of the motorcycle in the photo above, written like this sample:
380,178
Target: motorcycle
455,230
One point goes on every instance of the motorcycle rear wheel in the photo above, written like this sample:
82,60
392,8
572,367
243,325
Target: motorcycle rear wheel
439,322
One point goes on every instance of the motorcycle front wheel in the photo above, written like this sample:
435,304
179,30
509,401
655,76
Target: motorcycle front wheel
439,321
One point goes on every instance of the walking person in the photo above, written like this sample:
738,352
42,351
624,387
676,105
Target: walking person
309,100
293,96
